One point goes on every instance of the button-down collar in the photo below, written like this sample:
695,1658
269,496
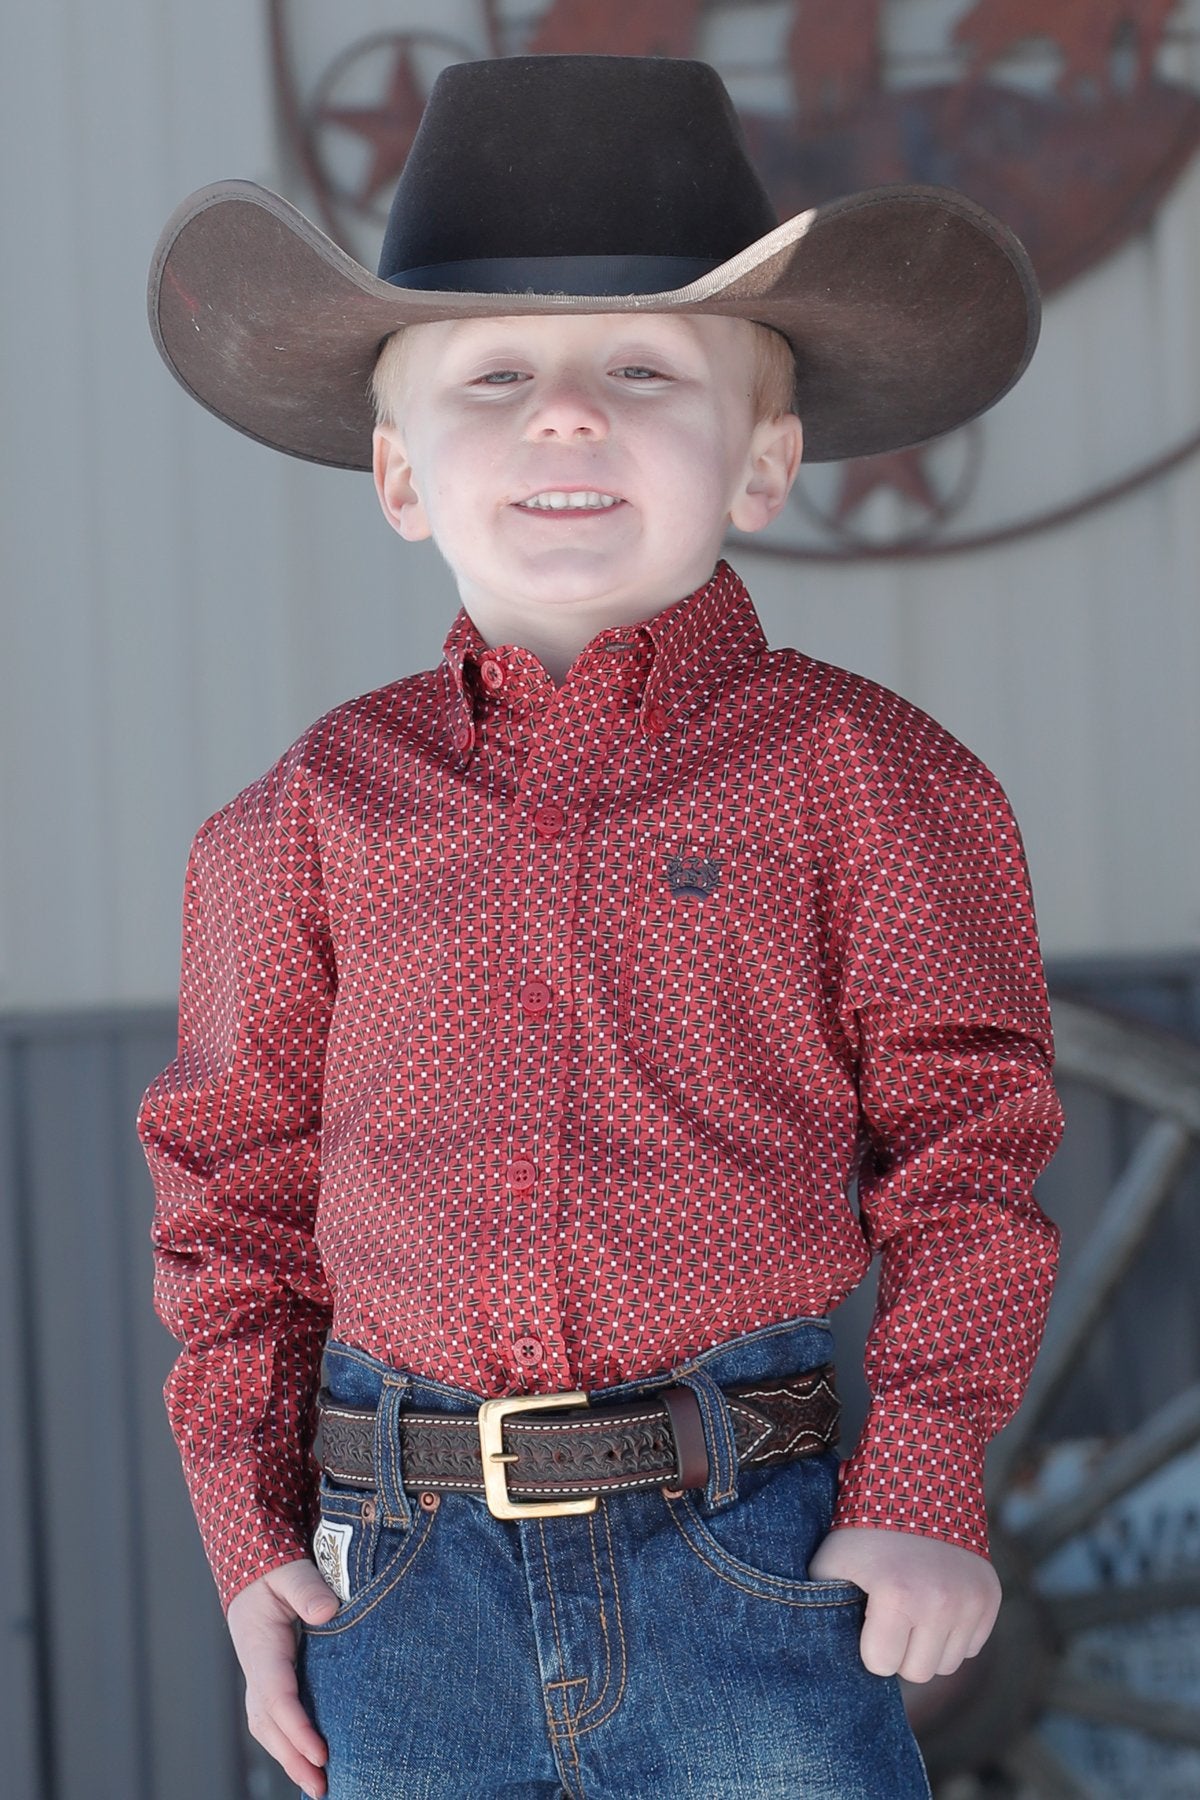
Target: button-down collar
688,648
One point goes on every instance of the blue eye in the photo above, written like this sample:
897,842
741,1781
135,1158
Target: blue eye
503,377
640,369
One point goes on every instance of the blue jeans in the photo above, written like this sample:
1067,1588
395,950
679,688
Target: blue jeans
653,1649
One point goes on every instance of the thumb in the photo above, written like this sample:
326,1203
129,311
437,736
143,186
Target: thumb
302,1587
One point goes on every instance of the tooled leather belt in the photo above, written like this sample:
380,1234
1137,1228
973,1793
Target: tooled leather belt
652,1442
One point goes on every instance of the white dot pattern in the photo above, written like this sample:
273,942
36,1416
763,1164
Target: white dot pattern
530,1038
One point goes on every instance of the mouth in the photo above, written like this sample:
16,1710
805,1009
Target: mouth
574,503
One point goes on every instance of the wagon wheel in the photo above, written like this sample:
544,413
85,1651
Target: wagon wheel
980,1728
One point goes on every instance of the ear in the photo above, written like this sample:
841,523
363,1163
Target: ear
772,460
402,505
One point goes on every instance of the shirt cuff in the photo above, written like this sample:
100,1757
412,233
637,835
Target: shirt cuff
915,1470
245,1534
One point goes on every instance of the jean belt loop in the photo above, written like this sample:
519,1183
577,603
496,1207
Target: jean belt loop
718,1438
388,1472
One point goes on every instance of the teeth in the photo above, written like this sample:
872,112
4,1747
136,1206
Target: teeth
561,502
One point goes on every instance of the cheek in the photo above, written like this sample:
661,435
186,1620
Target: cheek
455,468
696,468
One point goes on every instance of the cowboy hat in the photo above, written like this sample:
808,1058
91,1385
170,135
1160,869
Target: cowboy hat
584,184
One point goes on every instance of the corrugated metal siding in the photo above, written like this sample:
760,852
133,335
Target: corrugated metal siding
180,603
116,1675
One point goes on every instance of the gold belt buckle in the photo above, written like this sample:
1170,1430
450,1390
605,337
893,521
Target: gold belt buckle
492,1415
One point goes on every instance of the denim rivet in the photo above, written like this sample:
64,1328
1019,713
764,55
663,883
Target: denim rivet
672,1493
369,1510
430,1502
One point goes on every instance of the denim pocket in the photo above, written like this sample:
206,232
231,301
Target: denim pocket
762,1544
359,1554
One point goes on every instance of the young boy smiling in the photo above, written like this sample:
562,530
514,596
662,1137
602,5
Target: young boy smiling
669,429
538,1011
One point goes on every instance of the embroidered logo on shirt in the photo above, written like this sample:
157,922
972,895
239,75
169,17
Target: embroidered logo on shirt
697,875
331,1552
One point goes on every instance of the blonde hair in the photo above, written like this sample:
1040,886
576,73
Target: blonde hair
772,376
773,390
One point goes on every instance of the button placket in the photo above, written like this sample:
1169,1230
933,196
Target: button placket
560,761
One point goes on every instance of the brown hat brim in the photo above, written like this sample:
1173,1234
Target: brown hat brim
911,311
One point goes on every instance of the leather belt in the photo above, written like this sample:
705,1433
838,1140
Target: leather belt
554,1449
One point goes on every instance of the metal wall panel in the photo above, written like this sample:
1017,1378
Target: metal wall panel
24,1727
117,1666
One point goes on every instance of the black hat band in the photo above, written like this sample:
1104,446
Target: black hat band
612,275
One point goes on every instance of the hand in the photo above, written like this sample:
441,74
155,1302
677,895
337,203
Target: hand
262,1622
930,1604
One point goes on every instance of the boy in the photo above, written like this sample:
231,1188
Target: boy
579,977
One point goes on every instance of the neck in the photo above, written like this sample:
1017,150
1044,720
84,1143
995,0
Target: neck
556,639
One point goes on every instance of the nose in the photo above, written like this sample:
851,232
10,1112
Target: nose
567,406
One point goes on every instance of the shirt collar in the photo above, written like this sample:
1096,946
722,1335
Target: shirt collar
694,643
699,641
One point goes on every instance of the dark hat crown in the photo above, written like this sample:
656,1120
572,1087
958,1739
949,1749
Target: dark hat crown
573,174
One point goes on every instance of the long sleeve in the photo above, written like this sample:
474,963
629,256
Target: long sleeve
942,999
231,1131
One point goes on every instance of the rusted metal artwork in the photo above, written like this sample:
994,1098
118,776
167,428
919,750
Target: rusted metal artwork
388,127
834,57
1075,163
616,28
1085,33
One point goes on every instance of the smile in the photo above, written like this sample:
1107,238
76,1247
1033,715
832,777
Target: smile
581,502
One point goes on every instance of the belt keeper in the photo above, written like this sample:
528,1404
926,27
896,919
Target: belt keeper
687,1428
388,1472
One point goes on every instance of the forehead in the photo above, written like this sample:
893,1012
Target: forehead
686,333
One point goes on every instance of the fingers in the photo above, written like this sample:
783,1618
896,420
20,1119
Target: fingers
262,1623
884,1643
955,1652
921,1641
306,1770
930,1604
273,1710
893,1644
302,1587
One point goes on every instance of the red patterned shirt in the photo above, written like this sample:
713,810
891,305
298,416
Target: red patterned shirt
532,1038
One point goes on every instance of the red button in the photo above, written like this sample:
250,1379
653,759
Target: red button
548,821
491,671
655,720
529,1351
464,737
535,996
522,1173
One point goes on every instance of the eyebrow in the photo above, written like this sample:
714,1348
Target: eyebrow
466,332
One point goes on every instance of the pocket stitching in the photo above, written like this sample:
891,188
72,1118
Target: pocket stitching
390,1575
740,1575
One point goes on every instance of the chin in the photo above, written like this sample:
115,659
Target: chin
562,577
